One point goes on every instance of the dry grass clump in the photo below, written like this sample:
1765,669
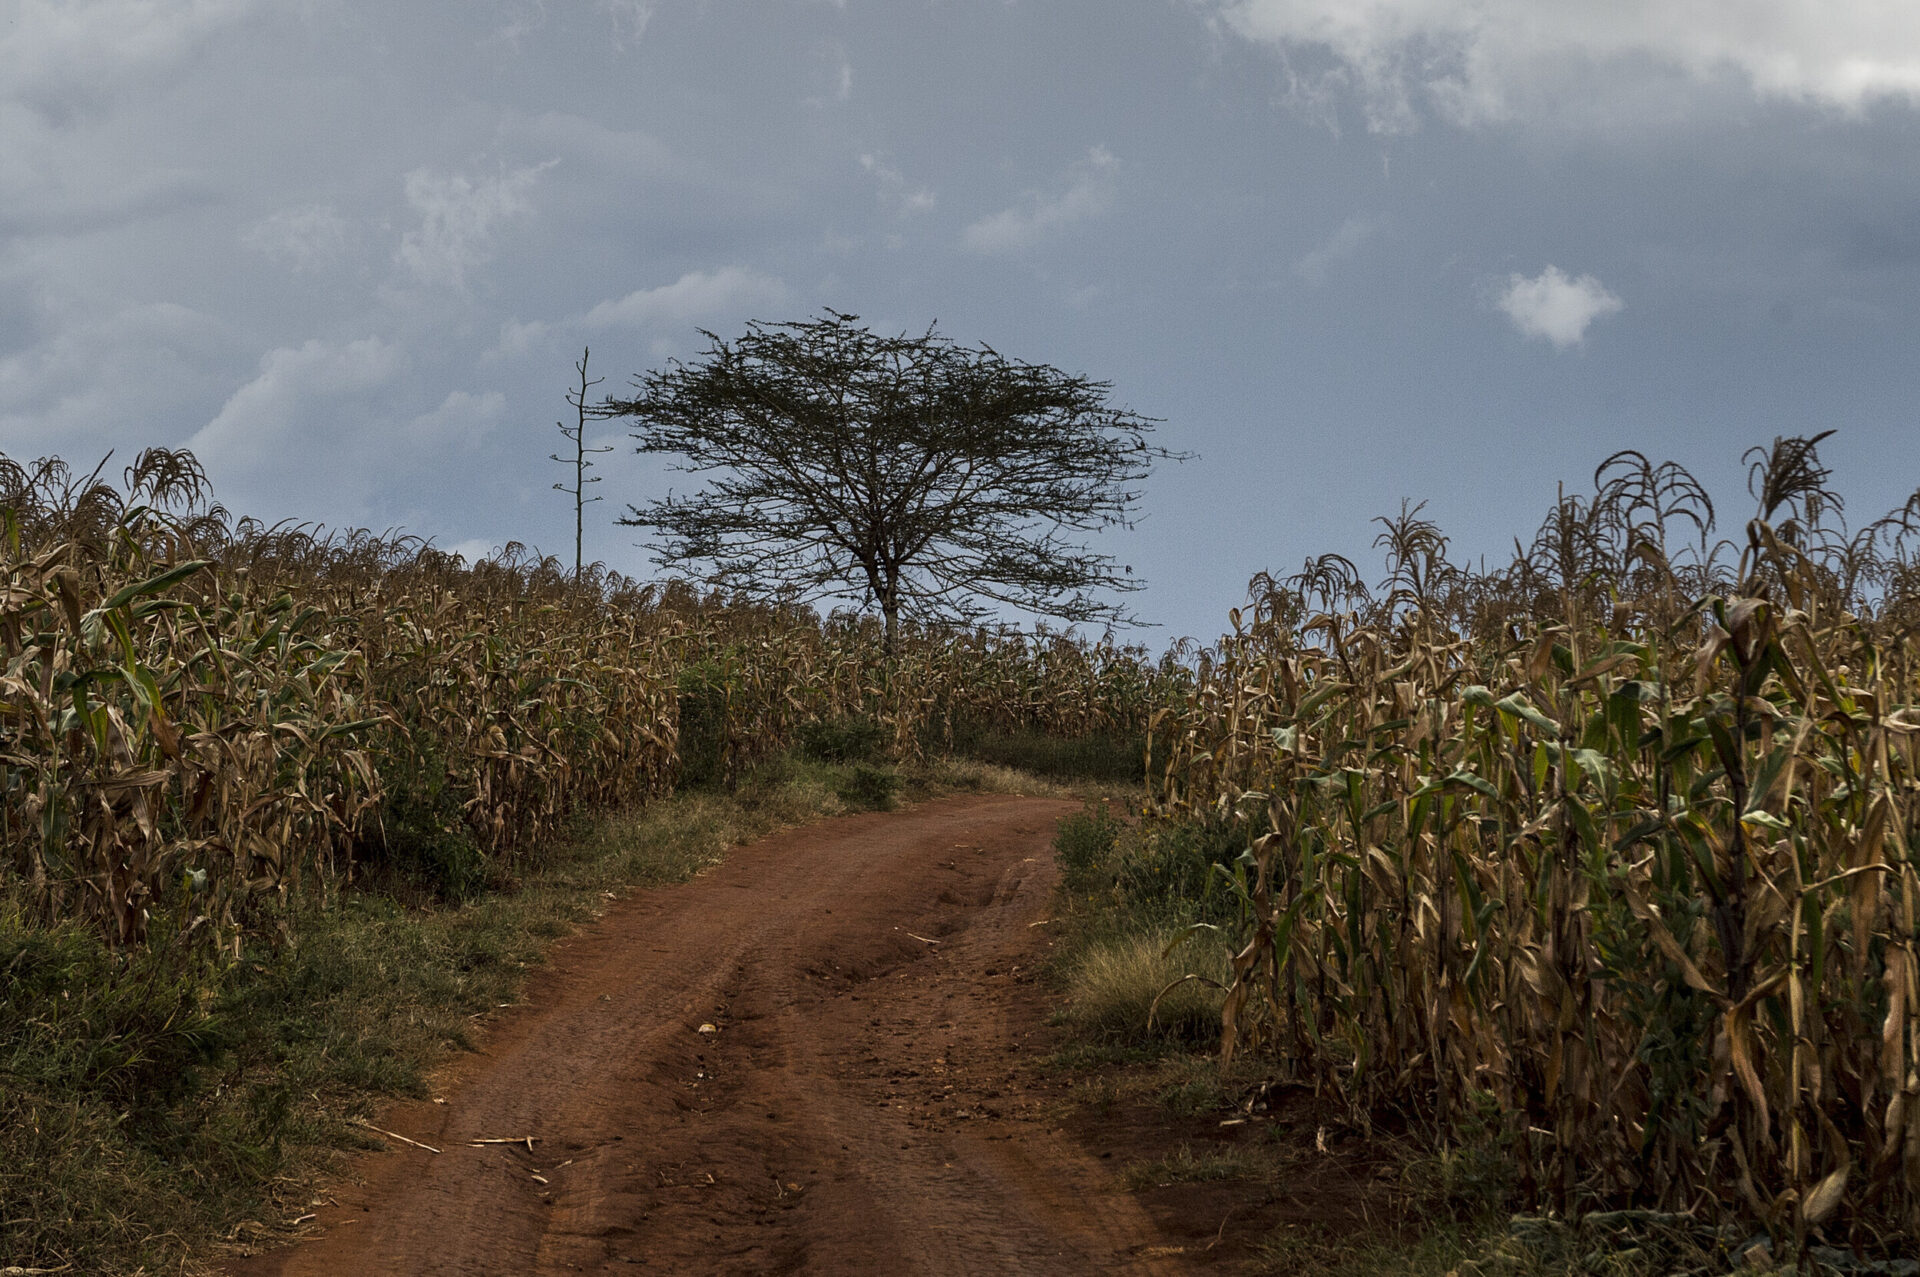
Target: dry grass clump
1163,985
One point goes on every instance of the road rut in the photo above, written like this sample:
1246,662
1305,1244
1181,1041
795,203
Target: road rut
816,1057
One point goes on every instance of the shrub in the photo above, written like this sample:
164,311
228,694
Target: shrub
870,788
853,738
421,834
1172,868
1083,845
705,692
1119,758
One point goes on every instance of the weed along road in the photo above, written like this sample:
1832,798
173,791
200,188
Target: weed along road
815,1057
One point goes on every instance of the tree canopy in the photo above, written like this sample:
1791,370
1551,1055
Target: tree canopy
924,478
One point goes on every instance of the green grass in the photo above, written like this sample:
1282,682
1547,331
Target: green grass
1084,845
1309,1252
151,1106
1184,1166
133,1093
1193,1086
98,1055
1140,960
1609,1244
1079,1055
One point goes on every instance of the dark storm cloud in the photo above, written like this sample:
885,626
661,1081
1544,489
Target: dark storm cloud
1350,253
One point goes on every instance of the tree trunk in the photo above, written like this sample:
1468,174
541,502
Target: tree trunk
890,606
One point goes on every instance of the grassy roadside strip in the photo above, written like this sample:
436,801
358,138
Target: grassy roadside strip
1142,907
1305,1190
149,1114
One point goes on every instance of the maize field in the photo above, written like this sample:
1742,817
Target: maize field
1618,844
201,716
1614,847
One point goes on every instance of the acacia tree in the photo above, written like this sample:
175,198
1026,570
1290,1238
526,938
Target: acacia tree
912,474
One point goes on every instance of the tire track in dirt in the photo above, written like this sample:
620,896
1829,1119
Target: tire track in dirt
863,1102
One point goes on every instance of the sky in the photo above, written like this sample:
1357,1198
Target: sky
1348,252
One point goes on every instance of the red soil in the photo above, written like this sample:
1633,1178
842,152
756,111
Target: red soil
817,1057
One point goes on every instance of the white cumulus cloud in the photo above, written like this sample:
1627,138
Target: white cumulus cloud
1475,60
458,219
147,362
696,297
1556,307
473,549
308,239
1087,192
833,73
629,18
303,414
335,431
462,419
591,146
693,296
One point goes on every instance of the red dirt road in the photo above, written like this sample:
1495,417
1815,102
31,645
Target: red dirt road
858,1105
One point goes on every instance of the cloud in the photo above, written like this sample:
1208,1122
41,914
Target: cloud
53,182
302,414
589,145
629,18
1345,241
458,220
695,297
834,73
1555,307
528,20
518,340
893,190
74,391
308,239
65,66
463,419
333,430
55,53
473,549
1474,61
1088,193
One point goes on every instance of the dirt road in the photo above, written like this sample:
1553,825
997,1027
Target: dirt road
813,1058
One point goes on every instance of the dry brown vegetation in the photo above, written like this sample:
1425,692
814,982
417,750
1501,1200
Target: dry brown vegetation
1602,864
203,715
282,810
1608,857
